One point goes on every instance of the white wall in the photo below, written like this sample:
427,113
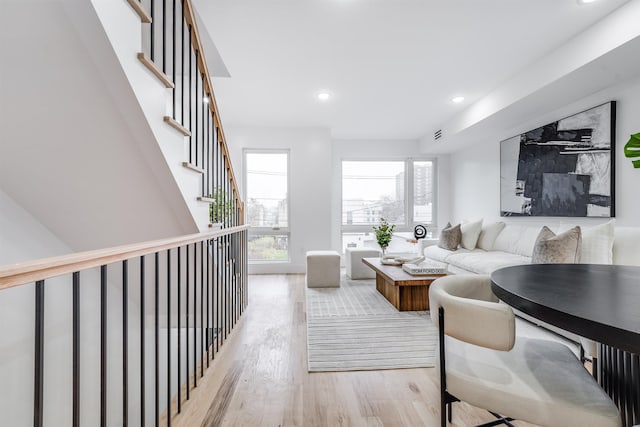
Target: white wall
309,180
475,170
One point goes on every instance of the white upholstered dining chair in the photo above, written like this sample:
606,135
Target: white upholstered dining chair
482,363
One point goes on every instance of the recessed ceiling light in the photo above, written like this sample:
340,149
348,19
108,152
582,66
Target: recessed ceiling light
323,96
457,99
586,1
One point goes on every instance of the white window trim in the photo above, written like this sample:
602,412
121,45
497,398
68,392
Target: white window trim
408,200
268,231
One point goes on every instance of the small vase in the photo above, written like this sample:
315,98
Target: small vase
383,252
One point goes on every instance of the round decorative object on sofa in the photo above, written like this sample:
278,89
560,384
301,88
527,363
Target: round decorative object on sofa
419,231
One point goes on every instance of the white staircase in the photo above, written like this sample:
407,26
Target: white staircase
86,148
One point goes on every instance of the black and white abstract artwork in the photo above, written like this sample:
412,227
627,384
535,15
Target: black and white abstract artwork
565,168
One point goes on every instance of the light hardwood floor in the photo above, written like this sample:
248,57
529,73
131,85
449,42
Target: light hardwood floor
260,377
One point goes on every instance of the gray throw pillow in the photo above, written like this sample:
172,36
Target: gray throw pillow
563,248
450,237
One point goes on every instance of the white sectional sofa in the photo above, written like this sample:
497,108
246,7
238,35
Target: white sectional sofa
513,245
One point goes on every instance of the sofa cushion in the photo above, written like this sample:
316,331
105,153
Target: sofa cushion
597,244
438,254
517,239
626,246
488,235
561,248
450,237
470,233
452,269
485,262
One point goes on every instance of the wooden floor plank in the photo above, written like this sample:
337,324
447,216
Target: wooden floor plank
260,377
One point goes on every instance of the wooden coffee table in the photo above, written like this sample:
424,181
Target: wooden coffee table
403,290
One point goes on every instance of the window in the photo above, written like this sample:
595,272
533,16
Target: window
267,205
422,192
401,191
371,190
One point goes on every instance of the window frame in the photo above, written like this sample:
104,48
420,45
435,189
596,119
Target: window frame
268,231
410,222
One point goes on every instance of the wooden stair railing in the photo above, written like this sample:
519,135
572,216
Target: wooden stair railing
203,278
175,55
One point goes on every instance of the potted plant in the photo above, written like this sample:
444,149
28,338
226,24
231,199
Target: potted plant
223,207
384,232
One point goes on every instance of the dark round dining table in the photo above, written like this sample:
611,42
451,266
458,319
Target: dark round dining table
596,301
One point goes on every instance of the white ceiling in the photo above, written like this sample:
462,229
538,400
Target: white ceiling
391,65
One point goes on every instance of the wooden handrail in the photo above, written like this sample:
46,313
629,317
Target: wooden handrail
189,16
28,272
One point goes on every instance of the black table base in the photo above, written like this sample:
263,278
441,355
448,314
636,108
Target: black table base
619,375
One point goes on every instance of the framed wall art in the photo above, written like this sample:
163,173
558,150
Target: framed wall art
564,168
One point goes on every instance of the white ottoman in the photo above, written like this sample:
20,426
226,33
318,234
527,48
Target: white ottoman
323,269
354,265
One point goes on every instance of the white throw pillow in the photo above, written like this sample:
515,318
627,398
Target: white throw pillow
597,244
470,233
488,235
517,239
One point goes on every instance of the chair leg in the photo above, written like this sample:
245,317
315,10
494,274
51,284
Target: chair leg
443,407
450,410
500,420
444,396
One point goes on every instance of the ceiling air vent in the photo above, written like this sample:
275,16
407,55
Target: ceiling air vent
437,135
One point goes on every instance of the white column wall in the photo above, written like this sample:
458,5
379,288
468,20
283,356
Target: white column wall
309,186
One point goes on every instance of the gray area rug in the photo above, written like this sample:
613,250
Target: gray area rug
355,328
